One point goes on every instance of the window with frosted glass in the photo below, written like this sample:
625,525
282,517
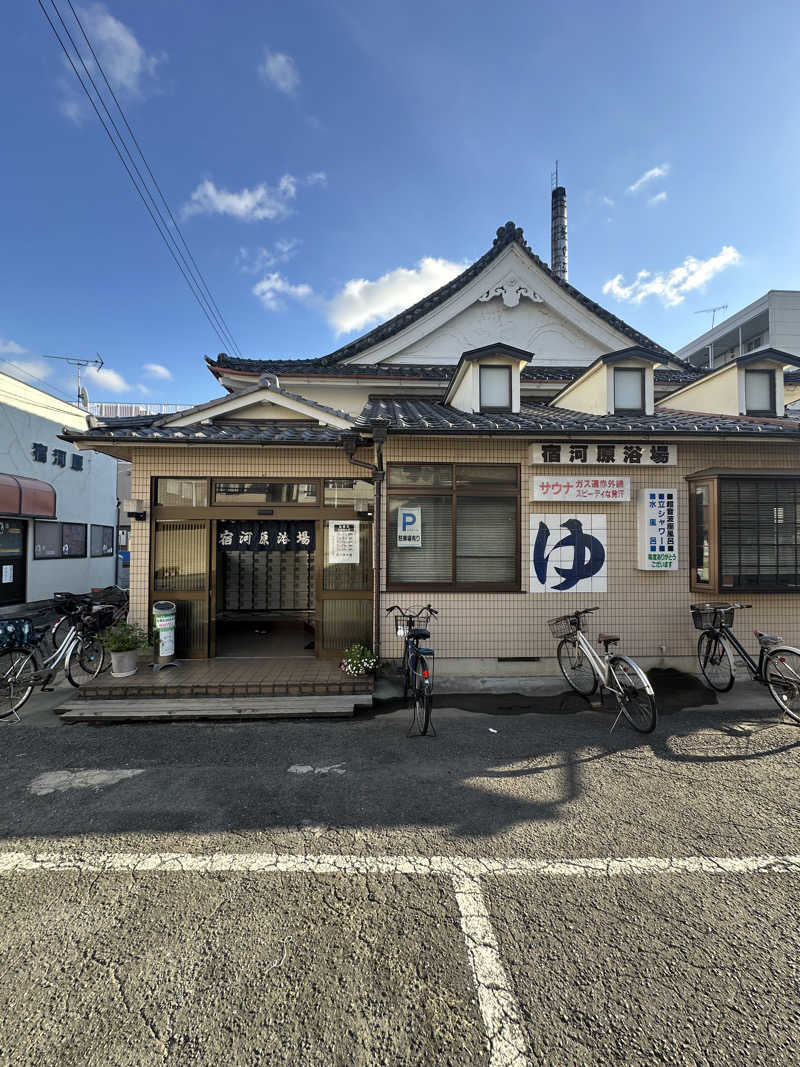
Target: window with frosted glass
495,386
759,386
628,389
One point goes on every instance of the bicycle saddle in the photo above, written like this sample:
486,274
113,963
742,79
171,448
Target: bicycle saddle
417,631
607,639
767,639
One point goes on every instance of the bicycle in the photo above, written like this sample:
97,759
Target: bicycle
778,666
584,668
22,667
111,596
417,670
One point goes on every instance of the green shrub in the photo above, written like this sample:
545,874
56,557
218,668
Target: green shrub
124,637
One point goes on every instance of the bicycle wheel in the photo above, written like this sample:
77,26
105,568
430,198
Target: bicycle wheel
421,698
84,661
59,630
576,668
715,661
782,674
637,702
18,667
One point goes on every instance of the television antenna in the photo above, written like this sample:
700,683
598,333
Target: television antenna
712,311
77,363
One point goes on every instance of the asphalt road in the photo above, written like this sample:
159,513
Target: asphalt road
247,948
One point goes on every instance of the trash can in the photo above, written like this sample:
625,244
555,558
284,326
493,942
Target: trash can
163,633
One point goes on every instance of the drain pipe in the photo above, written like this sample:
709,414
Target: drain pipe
379,427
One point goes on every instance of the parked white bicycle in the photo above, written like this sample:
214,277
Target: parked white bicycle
584,667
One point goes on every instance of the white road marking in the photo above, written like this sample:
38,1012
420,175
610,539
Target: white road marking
306,768
59,781
498,1006
449,866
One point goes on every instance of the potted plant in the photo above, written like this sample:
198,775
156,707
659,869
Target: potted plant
123,640
358,660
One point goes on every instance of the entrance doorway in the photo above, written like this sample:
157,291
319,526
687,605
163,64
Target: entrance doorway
265,603
12,561
290,580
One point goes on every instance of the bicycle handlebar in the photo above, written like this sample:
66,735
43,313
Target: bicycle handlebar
587,611
412,614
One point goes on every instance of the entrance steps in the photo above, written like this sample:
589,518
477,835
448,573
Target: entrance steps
216,709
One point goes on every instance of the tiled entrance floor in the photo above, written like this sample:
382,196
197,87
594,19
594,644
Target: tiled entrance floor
229,678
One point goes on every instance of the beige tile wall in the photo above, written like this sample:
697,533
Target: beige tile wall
649,610
196,461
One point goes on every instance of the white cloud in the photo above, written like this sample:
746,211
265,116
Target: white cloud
608,201
31,370
156,370
256,260
361,301
250,205
131,70
107,379
671,287
11,348
279,70
659,198
273,287
660,171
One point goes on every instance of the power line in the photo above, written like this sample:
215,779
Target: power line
27,373
154,180
218,326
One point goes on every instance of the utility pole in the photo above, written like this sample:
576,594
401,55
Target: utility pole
77,363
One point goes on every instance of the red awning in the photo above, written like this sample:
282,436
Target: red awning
26,496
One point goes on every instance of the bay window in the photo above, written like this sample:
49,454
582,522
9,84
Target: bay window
453,526
745,532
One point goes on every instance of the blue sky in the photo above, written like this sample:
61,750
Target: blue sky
332,161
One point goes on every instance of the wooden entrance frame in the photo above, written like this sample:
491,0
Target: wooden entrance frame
212,513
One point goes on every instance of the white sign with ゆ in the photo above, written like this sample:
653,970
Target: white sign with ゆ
568,553
343,541
409,527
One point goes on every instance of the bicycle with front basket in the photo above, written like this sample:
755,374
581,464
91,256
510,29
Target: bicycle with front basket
584,668
23,667
417,664
778,665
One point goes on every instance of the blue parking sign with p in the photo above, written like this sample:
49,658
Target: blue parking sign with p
409,527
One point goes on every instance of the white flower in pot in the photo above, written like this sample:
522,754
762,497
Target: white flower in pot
123,640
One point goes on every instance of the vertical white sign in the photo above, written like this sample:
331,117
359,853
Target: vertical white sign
657,530
343,541
409,527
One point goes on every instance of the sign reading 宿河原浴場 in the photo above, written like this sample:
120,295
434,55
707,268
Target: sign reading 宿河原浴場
571,487
617,454
409,527
343,540
657,530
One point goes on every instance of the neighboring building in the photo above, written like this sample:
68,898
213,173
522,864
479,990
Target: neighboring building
772,321
58,505
506,449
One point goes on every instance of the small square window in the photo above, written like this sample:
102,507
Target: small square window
759,392
628,389
495,385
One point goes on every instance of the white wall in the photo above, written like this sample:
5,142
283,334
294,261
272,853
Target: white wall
784,321
85,496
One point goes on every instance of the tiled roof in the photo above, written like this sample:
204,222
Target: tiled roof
534,372
505,236
425,417
232,433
